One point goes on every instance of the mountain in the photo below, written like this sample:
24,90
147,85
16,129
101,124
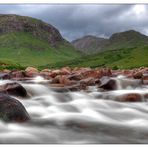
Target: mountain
122,50
29,41
127,39
89,44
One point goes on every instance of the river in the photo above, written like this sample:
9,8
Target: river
78,117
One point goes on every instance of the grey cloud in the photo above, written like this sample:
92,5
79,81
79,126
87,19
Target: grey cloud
74,21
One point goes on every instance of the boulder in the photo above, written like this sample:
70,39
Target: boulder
56,85
11,110
131,97
76,77
146,96
88,81
62,88
106,72
5,76
18,74
54,73
137,75
62,80
108,84
65,71
31,71
45,75
14,89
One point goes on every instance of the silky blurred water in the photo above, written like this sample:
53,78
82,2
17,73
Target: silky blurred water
79,117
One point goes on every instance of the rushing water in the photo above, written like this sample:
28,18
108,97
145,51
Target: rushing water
79,117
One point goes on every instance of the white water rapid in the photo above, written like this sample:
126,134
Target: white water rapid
79,117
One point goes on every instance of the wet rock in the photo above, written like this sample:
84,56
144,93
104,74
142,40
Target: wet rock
31,71
45,75
90,73
11,110
97,81
5,76
63,88
54,73
131,97
75,77
146,95
145,79
75,87
13,89
108,84
88,81
137,75
62,80
65,71
18,74
107,72
126,82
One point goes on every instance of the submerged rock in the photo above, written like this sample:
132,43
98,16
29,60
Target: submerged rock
145,79
12,110
14,88
131,97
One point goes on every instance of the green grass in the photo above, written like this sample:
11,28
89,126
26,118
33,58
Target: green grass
19,50
116,59
26,50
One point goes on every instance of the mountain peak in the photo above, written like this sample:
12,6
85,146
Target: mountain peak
127,35
14,23
127,39
89,43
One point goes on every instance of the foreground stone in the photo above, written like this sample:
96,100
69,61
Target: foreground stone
14,89
108,84
131,97
11,110
5,76
31,72
17,74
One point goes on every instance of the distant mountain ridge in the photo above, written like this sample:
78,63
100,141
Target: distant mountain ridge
89,43
126,39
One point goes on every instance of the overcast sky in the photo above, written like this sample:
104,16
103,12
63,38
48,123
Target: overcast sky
75,21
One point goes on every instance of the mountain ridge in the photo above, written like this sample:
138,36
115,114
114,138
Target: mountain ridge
125,39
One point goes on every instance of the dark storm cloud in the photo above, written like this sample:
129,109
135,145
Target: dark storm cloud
74,21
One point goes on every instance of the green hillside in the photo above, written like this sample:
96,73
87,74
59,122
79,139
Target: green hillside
127,39
23,48
116,59
28,41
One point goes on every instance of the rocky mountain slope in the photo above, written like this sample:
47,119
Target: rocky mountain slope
29,41
89,44
127,39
